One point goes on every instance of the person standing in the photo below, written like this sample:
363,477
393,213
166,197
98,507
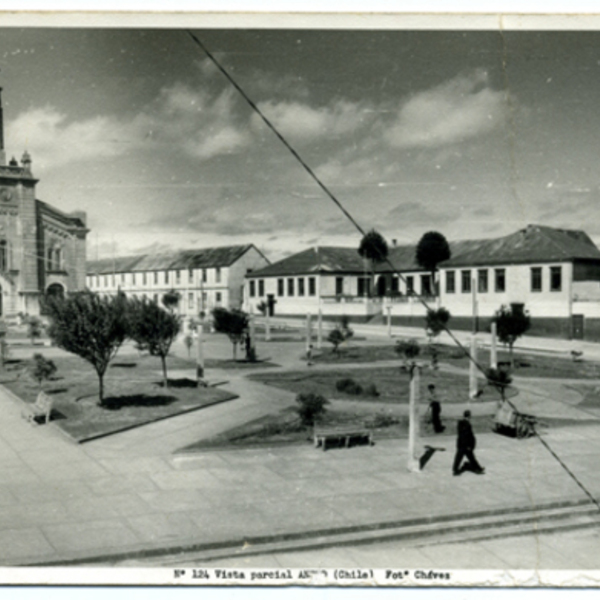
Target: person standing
435,409
465,447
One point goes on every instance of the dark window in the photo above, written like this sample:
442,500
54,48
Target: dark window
3,255
280,287
312,286
156,277
122,277
410,285
425,285
555,279
339,286
166,276
133,278
252,289
290,287
301,286
144,279
465,282
218,297
191,300
450,283
482,281
218,274
261,287
177,276
500,280
203,275
191,275
363,286
395,285
536,279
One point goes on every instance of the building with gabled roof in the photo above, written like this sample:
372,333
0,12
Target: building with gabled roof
554,272
204,277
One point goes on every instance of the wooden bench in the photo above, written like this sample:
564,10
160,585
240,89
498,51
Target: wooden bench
345,436
41,408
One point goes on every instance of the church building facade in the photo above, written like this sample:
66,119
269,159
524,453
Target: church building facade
42,249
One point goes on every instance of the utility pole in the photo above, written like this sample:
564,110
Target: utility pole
413,418
494,348
473,362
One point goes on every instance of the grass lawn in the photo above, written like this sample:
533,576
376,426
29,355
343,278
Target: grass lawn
527,364
285,428
133,388
392,384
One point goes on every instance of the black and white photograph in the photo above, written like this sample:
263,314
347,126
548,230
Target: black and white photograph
299,303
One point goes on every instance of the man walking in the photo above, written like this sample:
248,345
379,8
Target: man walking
465,447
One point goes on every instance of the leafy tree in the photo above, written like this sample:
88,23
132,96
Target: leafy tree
171,299
153,328
311,407
374,248
340,333
511,323
35,328
409,349
436,321
262,307
234,323
41,368
432,249
500,379
89,326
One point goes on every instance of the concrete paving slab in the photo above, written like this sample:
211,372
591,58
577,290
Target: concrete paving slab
177,500
165,528
23,543
114,485
79,538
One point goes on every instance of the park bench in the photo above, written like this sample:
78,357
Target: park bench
342,436
41,408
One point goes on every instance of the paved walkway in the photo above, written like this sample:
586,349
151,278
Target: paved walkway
129,492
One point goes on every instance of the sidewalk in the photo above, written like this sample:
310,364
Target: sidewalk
62,502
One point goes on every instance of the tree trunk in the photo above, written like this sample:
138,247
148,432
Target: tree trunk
163,360
234,351
512,358
101,388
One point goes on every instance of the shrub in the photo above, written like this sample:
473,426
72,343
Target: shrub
311,407
371,390
381,420
347,385
41,368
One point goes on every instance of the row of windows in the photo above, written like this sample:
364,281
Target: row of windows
145,278
190,298
297,286
482,280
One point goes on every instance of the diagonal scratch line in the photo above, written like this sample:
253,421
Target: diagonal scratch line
387,261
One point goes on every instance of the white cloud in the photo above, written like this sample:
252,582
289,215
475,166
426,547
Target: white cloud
462,108
53,141
303,122
197,123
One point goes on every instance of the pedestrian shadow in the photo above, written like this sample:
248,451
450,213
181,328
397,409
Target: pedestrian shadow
429,452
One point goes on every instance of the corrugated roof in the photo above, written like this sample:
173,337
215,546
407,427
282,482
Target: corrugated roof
330,259
204,258
534,244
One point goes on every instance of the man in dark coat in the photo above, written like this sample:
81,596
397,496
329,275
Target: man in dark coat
465,447
435,408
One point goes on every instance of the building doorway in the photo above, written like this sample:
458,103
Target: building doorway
56,290
577,327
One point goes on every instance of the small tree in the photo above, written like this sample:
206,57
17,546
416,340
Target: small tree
234,323
171,300
41,368
35,328
432,249
500,379
340,333
511,323
89,326
409,350
153,328
311,407
374,248
436,321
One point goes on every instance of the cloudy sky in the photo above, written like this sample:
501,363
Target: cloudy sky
473,134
